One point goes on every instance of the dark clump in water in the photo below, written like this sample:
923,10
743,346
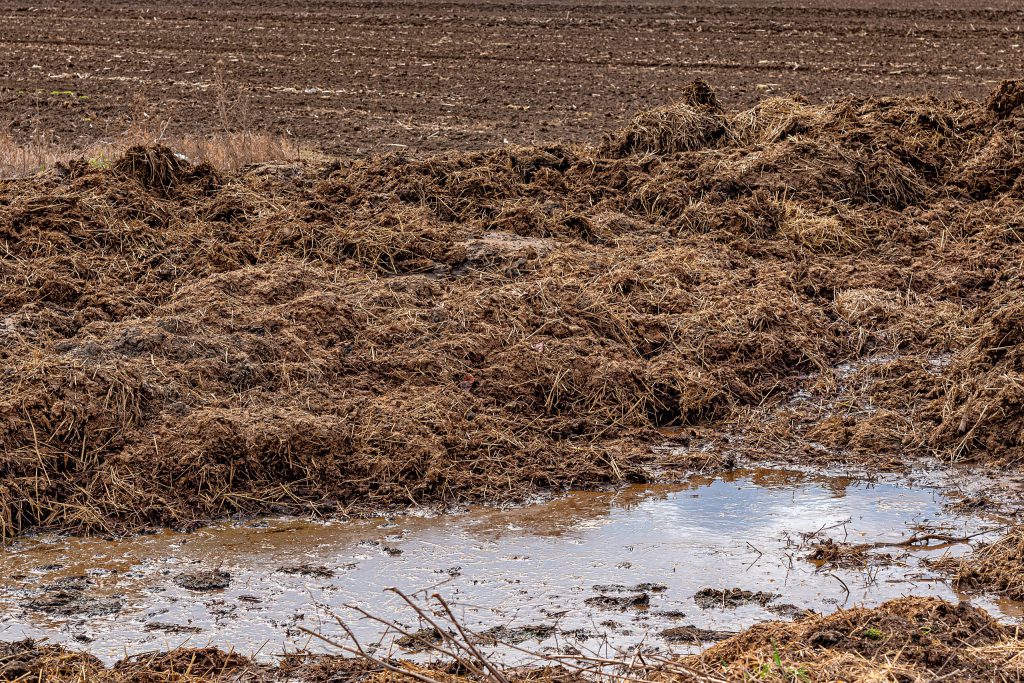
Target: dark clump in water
692,635
200,580
519,634
317,571
638,588
419,640
624,602
67,597
729,598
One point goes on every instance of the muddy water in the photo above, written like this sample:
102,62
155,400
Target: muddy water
558,565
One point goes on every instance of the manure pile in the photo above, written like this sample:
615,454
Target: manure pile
821,283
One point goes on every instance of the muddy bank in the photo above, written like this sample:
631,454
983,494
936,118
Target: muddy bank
659,567
833,283
909,639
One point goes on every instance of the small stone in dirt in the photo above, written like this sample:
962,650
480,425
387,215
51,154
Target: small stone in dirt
694,635
641,601
315,570
708,598
638,588
203,579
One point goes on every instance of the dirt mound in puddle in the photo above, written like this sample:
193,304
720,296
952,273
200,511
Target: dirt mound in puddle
178,345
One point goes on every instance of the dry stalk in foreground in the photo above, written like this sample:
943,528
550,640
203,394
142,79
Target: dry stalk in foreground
453,642
908,639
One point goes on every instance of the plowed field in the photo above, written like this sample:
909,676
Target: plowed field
359,77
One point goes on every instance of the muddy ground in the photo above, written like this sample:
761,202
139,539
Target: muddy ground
358,78
656,567
909,639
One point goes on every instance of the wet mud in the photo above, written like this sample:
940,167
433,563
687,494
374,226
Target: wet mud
676,566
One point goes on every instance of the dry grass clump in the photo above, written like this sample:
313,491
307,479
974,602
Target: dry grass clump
694,122
227,151
27,660
180,342
824,233
996,567
908,639
983,407
777,118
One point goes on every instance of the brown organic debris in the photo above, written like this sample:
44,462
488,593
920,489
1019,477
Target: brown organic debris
996,567
832,282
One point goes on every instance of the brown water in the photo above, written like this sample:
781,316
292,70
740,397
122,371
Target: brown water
531,566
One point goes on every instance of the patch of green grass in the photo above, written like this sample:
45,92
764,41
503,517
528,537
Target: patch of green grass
775,669
872,633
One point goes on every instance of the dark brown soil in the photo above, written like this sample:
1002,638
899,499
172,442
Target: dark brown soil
354,77
823,283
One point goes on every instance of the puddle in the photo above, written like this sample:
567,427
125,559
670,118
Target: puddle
571,571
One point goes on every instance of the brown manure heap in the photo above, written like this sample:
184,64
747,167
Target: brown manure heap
179,345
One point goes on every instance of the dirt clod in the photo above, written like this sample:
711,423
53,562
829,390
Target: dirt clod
694,635
640,601
638,588
203,579
318,571
728,598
